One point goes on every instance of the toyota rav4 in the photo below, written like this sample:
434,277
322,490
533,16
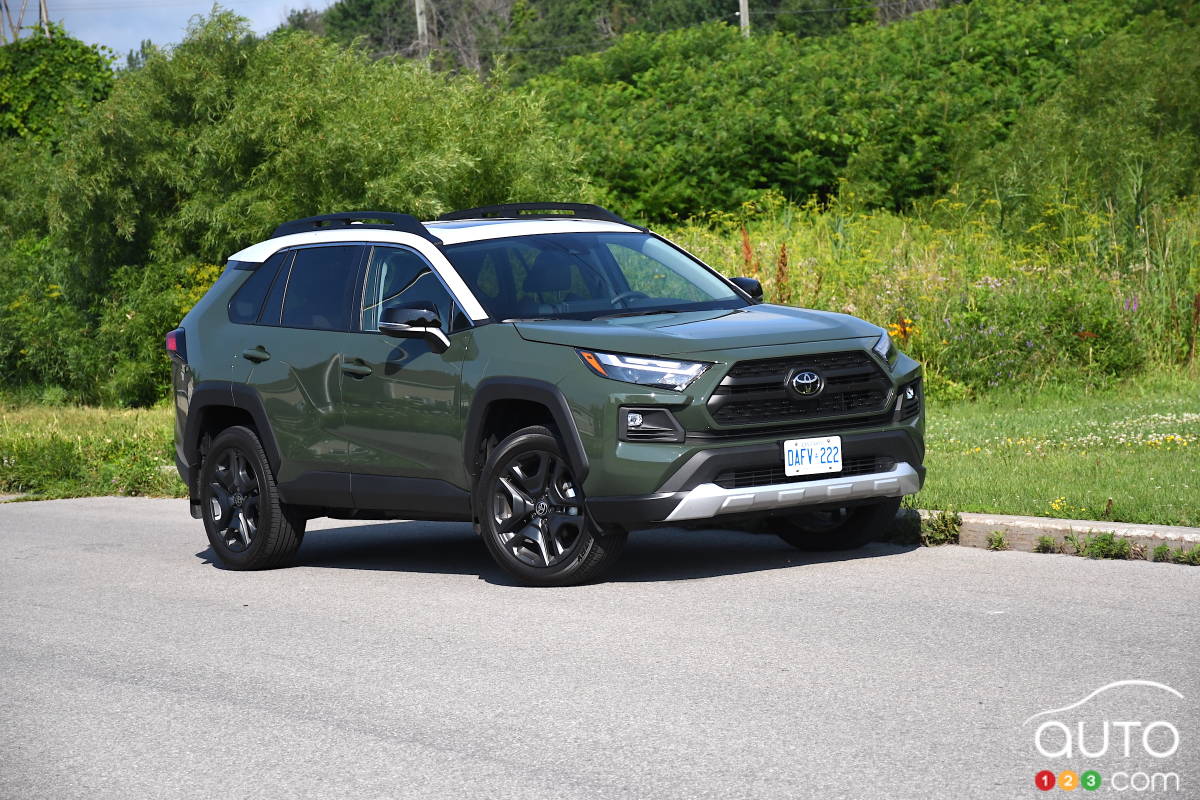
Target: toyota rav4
549,372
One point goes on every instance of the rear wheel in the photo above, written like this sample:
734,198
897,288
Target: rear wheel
532,516
247,525
839,529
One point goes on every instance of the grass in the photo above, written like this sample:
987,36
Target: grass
1060,452
1065,451
68,451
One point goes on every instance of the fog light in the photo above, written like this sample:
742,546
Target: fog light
633,419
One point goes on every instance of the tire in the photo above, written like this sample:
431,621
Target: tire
843,529
247,525
532,514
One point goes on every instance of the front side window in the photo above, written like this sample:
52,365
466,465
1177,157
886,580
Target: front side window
400,277
320,289
586,276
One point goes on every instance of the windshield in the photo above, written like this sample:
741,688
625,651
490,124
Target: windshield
586,276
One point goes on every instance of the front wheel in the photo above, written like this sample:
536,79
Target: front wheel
532,516
839,529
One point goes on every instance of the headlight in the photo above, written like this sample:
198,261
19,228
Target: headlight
884,347
655,372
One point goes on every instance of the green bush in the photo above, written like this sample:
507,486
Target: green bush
47,79
203,149
1121,134
703,118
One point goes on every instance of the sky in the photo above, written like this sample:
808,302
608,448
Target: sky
123,24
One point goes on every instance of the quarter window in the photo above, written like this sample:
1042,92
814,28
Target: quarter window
248,300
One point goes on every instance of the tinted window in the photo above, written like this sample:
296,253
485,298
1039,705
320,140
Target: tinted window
245,305
274,305
399,277
320,290
587,275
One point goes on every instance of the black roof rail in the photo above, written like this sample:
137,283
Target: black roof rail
383,220
539,211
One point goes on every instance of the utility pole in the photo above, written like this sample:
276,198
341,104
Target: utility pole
422,11
744,16
44,17
14,27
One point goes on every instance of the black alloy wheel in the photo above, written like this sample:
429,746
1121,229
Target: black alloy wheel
233,500
533,517
536,509
247,524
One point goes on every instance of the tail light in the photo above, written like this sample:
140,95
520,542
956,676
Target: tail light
177,344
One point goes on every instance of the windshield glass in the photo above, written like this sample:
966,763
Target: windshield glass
586,276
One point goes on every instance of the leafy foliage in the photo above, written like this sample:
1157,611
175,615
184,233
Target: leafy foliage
702,118
528,37
1122,134
204,149
44,80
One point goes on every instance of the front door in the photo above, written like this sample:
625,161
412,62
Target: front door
402,422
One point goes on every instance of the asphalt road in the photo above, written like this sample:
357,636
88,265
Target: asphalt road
396,661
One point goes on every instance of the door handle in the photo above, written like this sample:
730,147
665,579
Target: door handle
256,354
356,368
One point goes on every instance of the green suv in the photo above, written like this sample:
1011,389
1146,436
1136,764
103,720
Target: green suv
549,372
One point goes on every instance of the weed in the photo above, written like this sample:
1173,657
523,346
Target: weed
1045,544
1107,545
940,528
1162,553
996,541
1190,557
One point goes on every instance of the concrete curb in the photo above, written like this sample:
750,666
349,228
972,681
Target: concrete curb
1022,533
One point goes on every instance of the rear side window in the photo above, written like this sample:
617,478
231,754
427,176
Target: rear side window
248,300
320,289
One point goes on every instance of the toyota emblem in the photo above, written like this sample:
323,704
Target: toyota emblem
807,383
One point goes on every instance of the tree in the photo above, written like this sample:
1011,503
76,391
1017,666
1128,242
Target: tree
45,80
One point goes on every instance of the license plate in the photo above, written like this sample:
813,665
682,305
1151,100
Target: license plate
812,456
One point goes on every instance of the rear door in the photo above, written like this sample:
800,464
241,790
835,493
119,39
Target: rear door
295,353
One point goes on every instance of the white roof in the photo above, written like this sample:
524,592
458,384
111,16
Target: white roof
449,231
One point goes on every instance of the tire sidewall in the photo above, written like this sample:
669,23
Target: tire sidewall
529,440
244,440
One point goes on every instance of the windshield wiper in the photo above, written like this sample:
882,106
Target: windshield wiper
642,313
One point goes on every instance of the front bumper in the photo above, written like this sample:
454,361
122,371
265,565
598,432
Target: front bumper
709,500
693,492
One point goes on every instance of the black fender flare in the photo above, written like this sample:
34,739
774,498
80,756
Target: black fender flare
544,393
226,394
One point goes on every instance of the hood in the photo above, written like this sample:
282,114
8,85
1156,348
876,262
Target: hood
698,331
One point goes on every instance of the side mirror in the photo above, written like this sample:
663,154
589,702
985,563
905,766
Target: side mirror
750,286
414,322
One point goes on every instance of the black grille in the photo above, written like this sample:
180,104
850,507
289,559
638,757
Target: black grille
757,391
765,476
